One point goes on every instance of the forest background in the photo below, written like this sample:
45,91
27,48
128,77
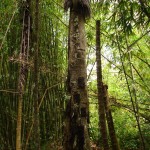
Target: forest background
125,46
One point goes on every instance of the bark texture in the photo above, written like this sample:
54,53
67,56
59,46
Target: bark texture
102,118
112,133
36,128
76,125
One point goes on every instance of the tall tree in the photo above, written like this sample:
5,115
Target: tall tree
36,129
76,129
102,118
25,43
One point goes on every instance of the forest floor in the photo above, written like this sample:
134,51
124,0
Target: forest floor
58,146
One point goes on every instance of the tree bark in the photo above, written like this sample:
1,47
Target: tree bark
112,133
36,129
76,125
102,118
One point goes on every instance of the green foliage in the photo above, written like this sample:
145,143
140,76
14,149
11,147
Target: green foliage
125,61
126,129
94,130
125,56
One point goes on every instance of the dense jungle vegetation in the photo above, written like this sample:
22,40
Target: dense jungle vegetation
37,111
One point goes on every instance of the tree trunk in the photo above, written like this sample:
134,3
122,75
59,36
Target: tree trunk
102,118
76,125
23,67
112,134
36,129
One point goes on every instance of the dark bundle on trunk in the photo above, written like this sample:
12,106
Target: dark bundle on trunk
82,7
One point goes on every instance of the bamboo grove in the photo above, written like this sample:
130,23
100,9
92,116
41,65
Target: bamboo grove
38,56
50,98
